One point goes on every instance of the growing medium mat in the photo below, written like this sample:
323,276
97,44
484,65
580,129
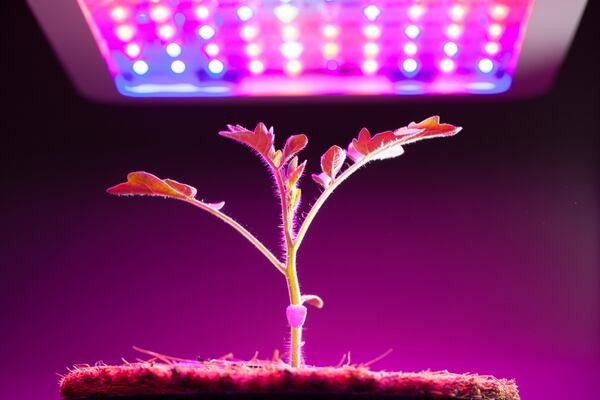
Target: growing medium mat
221,379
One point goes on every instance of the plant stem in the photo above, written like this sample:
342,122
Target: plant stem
235,225
284,209
295,299
291,274
322,198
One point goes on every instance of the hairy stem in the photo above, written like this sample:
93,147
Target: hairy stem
284,209
295,299
322,198
291,274
235,225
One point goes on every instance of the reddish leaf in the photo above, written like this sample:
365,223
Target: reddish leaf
332,161
322,179
182,188
366,145
143,183
260,140
389,144
432,128
292,165
293,145
313,300
295,175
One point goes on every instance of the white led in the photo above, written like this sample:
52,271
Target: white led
457,12
454,31
253,49
160,13
216,66
451,49
140,67
412,31
119,14
178,66
286,13
410,65
202,12
291,49
416,11
293,67
125,32
371,12
133,50
256,67
290,33
166,32
372,31
371,49
492,48
447,65
495,31
244,13
206,32
370,66
330,50
410,48
173,50
212,49
248,32
485,65
499,12
330,31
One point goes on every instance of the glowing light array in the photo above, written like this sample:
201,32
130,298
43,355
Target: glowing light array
252,47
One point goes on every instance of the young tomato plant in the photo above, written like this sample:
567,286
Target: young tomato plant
287,170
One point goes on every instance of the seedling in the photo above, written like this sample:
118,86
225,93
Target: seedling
287,170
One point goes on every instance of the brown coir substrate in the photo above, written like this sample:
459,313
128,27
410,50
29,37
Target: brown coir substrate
220,379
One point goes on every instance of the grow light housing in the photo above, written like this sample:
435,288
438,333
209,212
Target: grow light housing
238,48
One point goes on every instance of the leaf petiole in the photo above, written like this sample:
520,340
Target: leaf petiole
235,225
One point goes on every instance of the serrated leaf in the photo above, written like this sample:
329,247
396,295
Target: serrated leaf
389,144
295,175
145,184
432,129
260,140
322,179
293,145
292,165
366,145
332,161
313,300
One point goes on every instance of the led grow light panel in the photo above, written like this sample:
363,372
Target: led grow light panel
201,48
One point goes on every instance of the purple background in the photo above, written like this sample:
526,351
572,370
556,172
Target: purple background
477,253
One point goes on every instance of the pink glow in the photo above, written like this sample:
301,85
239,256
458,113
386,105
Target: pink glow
365,42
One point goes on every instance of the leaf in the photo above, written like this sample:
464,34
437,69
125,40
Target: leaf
295,174
276,158
386,144
293,145
313,300
187,190
145,184
432,128
260,140
322,179
332,161
292,165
